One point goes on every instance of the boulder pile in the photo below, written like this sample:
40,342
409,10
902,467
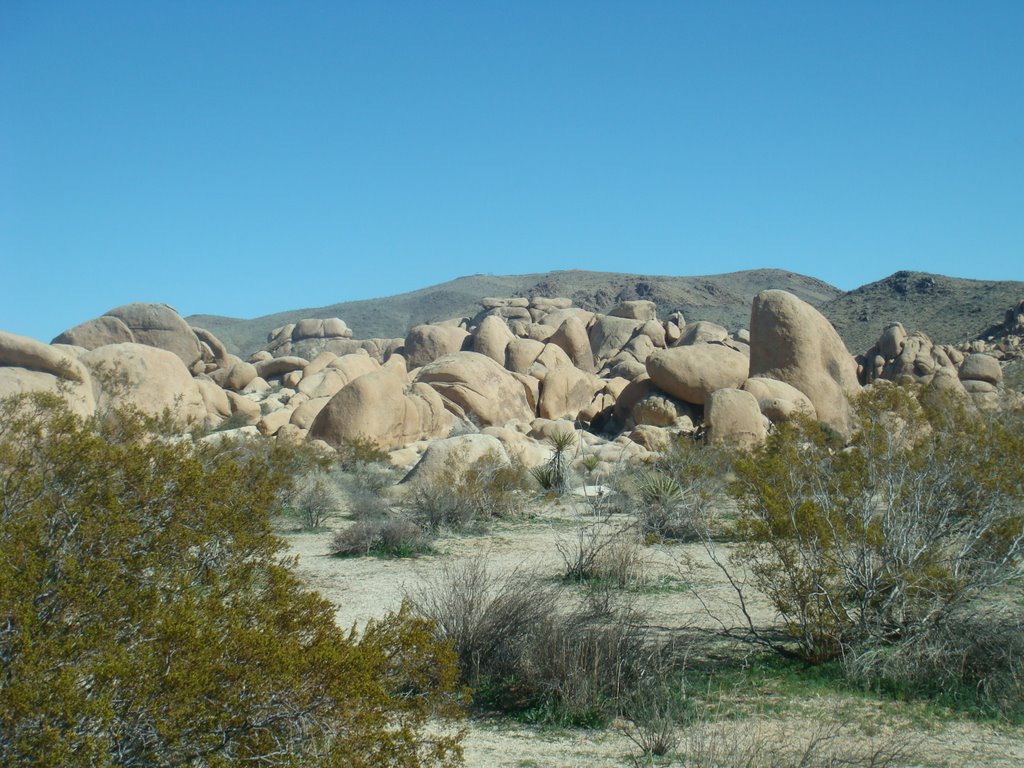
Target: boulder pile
518,371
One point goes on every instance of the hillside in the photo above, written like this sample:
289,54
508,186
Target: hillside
724,299
948,309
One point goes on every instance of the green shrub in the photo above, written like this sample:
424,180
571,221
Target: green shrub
148,618
886,540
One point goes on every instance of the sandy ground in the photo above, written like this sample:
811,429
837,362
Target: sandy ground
368,587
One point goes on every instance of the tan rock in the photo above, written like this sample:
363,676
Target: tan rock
734,418
640,309
492,337
778,400
475,388
566,391
609,334
216,399
453,455
426,343
236,376
279,366
242,408
290,434
144,377
305,414
24,352
654,331
97,332
15,380
981,367
158,325
701,332
340,372
572,337
792,342
379,407
318,363
521,354
272,422
550,358
692,373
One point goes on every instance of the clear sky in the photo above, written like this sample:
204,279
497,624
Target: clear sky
241,158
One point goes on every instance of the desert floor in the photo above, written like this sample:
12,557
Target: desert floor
368,587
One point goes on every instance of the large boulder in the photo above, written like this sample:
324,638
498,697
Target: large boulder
608,335
792,342
521,354
24,352
566,391
426,343
158,325
981,367
491,338
446,459
734,418
27,365
97,332
379,407
147,378
337,374
236,375
701,331
474,387
637,309
778,400
692,373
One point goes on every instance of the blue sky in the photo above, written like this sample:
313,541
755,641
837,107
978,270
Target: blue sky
244,158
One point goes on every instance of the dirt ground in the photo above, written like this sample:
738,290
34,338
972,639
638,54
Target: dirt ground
368,587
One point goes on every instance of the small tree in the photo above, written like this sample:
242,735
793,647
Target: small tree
147,618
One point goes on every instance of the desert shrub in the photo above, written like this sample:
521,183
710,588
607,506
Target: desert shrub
974,662
675,498
355,452
521,649
653,715
460,496
886,540
316,500
716,743
148,618
384,537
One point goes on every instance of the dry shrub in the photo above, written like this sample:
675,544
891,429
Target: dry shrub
316,500
974,660
720,744
394,537
460,495
520,649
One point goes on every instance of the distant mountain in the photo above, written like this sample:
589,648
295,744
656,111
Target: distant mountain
724,299
948,309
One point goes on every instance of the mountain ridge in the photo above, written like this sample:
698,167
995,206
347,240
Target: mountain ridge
948,309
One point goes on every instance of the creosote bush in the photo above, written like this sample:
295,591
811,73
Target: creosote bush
874,549
147,617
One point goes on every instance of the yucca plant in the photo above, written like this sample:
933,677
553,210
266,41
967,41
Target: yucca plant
553,475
